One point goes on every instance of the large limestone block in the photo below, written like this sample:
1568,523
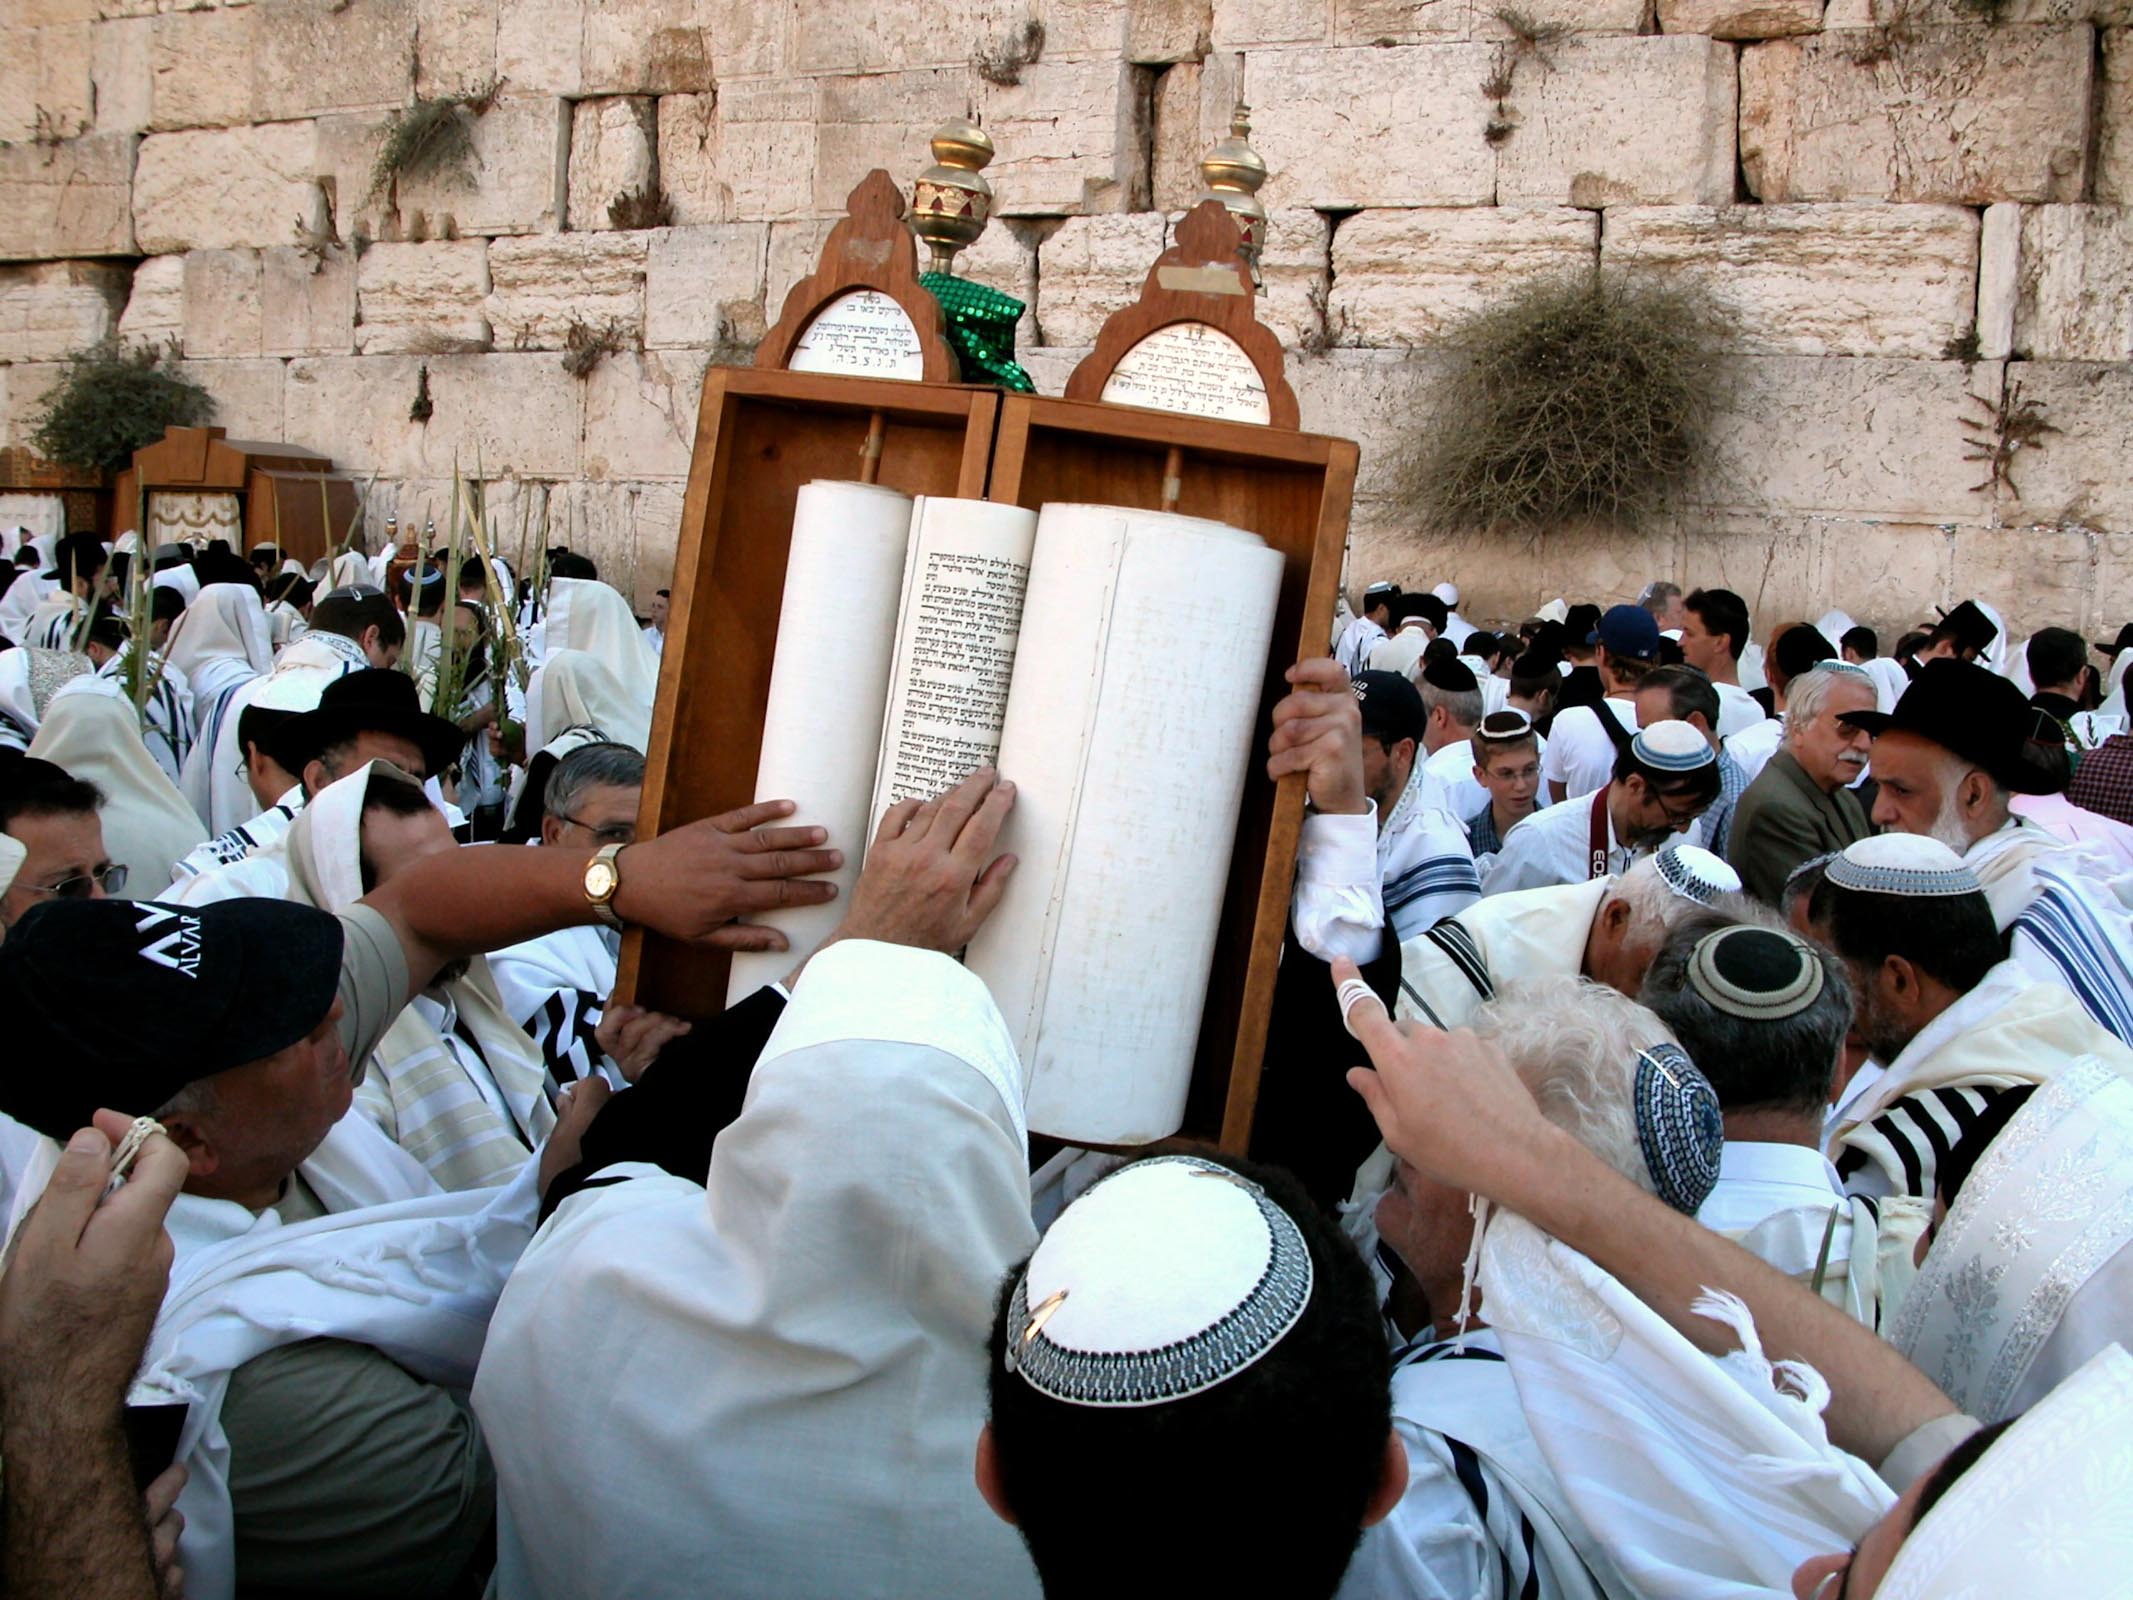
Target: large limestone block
1072,139
2114,119
1622,121
1741,19
1365,127
747,153
1390,21
703,286
2075,301
640,414
1852,436
1970,115
795,247
222,187
1245,24
222,304
1850,280
70,199
201,65
2078,473
329,55
1157,31
425,298
247,395
155,306
647,47
23,388
611,153
882,120
123,73
1921,13
1090,268
458,47
540,46
1005,257
1175,138
1292,270
513,181
833,36
1999,278
629,529
2037,577
1580,16
1403,277
46,82
511,411
542,284
1379,398
52,309
307,301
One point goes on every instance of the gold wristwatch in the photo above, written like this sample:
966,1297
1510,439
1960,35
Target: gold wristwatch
603,879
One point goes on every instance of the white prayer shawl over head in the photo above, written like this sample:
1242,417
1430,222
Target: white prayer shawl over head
586,614
797,1385
12,856
221,639
295,684
2030,1275
349,570
91,730
469,1122
2048,1508
573,688
181,580
29,678
1703,1478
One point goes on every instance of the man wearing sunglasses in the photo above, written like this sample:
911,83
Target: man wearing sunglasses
54,818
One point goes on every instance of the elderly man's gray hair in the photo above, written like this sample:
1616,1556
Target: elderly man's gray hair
1807,694
594,766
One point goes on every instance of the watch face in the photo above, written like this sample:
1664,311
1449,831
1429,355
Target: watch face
600,880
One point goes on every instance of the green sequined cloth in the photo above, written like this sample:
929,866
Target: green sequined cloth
980,322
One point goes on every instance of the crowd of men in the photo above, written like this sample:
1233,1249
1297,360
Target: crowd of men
1694,1153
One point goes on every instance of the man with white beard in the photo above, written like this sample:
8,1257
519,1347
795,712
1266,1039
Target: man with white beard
1959,744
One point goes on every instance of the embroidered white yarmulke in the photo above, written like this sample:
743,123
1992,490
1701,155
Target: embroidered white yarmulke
1673,747
1695,874
1902,863
1162,1281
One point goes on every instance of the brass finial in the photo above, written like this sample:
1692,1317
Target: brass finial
951,202
1233,172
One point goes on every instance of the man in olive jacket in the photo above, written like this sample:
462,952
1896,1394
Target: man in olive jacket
1801,806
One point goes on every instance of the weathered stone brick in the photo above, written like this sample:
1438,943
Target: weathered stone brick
512,182
71,199
794,249
1851,280
1970,115
1403,277
1622,121
52,309
646,47
830,36
247,394
1090,268
2038,577
1176,138
703,286
2076,284
1741,19
1942,13
1999,272
307,301
222,304
1242,24
2077,474
317,55
155,305
458,40
1005,256
611,153
540,46
1161,31
513,412
46,76
542,284
640,414
122,69
883,120
1581,16
1293,273
2114,119
1401,21
425,298
215,188
747,153
202,67
1071,139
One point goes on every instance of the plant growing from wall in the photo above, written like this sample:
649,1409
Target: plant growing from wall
586,345
1571,398
423,408
1001,62
1530,39
2008,427
428,138
110,401
648,207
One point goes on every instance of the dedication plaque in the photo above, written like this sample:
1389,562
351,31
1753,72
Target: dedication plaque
864,333
1192,368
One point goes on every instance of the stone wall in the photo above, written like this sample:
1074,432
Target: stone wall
1917,216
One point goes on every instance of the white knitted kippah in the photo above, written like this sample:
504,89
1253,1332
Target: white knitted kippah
1695,874
1673,747
1902,863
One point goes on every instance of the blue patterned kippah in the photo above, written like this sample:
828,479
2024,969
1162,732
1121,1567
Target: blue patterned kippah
1679,1126
1902,863
1672,747
1151,1288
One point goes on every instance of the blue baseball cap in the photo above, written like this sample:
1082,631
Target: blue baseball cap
1628,631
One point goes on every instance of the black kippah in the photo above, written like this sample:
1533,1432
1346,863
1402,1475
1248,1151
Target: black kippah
1756,973
1450,676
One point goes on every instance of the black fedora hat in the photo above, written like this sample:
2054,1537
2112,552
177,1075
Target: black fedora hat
373,700
1974,713
2124,641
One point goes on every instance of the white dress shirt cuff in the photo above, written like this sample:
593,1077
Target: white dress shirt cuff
1339,905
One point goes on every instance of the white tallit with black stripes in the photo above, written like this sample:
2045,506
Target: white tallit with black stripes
556,988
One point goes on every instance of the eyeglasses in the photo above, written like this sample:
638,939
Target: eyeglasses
607,832
111,875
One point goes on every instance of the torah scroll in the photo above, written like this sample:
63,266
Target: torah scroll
1129,723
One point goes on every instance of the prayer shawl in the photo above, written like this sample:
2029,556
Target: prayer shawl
1424,861
1701,1478
180,579
219,641
228,848
92,732
556,988
572,689
295,684
416,1280
454,1082
28,680
351,569
789,1406
1890,681
584,614
56,623
20,603
2030,1275
2108,842
1482,1517
1357,640
2008,1031
168,726
2065,914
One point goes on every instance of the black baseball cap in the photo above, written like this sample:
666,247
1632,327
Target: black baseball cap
373,700
1392,706
122,1003
1974,713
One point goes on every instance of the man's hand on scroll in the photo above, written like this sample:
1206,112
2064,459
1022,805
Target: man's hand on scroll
1448,1104
697,882
632,1037
931,878
1318,731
